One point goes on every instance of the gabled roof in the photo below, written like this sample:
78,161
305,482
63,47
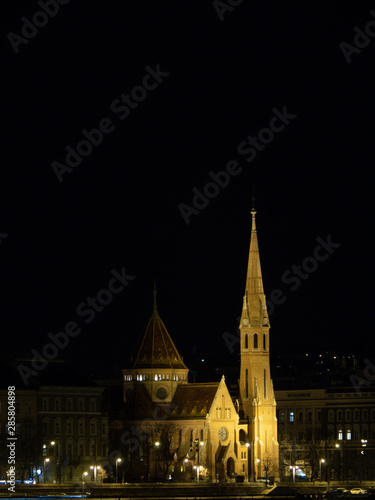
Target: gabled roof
194,400
157,349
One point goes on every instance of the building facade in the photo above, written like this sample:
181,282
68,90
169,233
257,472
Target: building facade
169,427
61,430
327,434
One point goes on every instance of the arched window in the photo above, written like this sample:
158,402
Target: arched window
340,435
242,435
264,342
348,434
246,341
247,384
255,341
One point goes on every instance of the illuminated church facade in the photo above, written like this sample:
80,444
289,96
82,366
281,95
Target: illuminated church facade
170,428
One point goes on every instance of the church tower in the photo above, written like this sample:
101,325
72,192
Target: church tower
257,399
157,365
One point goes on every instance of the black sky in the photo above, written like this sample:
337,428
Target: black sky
120,207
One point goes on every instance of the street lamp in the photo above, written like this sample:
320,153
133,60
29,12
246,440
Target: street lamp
118,461
52,443
339,459
364,444
197,469
46,460
157,444
84,476
321,461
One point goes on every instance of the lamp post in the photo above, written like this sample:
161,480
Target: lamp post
52,443
84,476
197,469
363,453
321,461
339,460
118,461
248,462
46,460
157,444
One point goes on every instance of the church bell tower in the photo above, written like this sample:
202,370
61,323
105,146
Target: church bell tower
257,399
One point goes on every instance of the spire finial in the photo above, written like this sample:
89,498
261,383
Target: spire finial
253,202
154,293
253,212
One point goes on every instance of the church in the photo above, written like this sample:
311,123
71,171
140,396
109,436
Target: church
172,429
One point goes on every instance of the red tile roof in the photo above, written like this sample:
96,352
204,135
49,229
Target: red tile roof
194,400
157,349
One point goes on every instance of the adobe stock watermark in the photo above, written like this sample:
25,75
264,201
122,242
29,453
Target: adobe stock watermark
293,278
361,39
86,309
249,148
30,28
222,7
367,379
121,107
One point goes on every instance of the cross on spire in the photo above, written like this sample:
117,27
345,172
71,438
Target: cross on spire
155,310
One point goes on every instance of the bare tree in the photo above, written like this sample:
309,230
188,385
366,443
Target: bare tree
169,439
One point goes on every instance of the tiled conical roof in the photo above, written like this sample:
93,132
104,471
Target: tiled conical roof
157,349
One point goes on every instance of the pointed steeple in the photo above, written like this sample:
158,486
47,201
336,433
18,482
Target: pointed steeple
155,313
157,348
254,291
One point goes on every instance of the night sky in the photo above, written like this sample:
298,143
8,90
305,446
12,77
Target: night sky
196,80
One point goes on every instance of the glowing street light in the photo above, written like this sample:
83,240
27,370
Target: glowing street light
118,461
46,460
248,461
321,461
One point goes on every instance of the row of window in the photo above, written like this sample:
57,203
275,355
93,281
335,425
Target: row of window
356,433
255,341
71,404
156,376
299,416
356,414
70,427
80,449
349,433
349,415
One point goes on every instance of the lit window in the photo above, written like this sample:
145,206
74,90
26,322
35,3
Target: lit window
348,434
291,416
340,435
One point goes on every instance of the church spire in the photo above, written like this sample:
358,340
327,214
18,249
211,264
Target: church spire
254,291
155,313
